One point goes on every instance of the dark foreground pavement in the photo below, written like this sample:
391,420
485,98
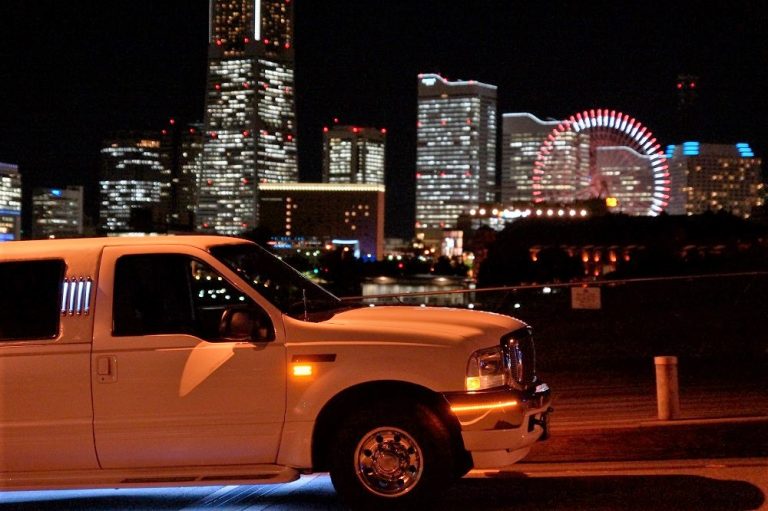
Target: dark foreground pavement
684,439
611,415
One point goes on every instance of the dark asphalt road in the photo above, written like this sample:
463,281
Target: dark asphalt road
726,485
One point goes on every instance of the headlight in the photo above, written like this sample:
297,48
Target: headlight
485,369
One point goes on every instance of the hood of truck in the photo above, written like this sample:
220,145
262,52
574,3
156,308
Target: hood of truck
432,326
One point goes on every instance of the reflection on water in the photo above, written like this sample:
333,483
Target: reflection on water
427,284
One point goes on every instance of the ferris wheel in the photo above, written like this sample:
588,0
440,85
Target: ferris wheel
603,154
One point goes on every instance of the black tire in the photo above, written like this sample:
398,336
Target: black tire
392,455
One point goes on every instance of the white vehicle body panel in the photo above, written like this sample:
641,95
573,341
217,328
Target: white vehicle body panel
198,402
92,408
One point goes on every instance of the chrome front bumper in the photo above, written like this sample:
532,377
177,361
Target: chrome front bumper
499,426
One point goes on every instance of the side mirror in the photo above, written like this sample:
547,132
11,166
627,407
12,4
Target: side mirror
245,325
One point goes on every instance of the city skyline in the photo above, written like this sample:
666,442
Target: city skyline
76,74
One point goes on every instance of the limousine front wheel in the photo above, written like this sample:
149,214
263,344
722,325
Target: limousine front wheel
394,453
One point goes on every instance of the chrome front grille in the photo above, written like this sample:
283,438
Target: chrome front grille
520,356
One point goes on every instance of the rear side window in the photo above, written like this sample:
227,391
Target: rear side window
30,299
152,295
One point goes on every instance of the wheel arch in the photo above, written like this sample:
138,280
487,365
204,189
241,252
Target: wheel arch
363,394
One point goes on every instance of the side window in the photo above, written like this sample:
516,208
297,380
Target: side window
170,293
30,299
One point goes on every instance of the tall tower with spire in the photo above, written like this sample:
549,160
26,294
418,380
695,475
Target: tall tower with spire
250,114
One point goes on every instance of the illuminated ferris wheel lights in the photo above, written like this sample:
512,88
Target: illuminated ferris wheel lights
631,134
625,123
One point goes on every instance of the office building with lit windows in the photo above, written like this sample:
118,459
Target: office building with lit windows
717,177
625,182
325,215
250,120
133,185
456,149
353,154
521,137
181,151
10,202
57,212
566,176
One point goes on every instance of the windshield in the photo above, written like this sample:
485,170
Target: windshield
276,281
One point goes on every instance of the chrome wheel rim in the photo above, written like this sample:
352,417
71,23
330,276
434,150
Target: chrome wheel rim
388,462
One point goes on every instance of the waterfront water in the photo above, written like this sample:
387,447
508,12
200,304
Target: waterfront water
428,284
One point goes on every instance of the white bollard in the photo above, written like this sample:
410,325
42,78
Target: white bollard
667,389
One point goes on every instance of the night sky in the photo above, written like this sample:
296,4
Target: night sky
72,72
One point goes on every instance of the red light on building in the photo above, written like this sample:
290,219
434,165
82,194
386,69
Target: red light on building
355,130
247,40
246,133
164,132
287,46
266,41
217,86
289,137
172,121
335,120
325,129
679,86
191,130
383,131
692,85
218,42
246,85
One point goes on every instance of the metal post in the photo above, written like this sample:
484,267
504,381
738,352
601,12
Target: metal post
667,389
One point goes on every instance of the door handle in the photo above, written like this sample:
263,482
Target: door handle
106,369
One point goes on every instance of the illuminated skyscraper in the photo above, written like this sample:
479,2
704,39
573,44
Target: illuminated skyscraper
132,186
353,155
456,149
717,177
57,212
250,120
10,202
522,135
181,150
624,179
